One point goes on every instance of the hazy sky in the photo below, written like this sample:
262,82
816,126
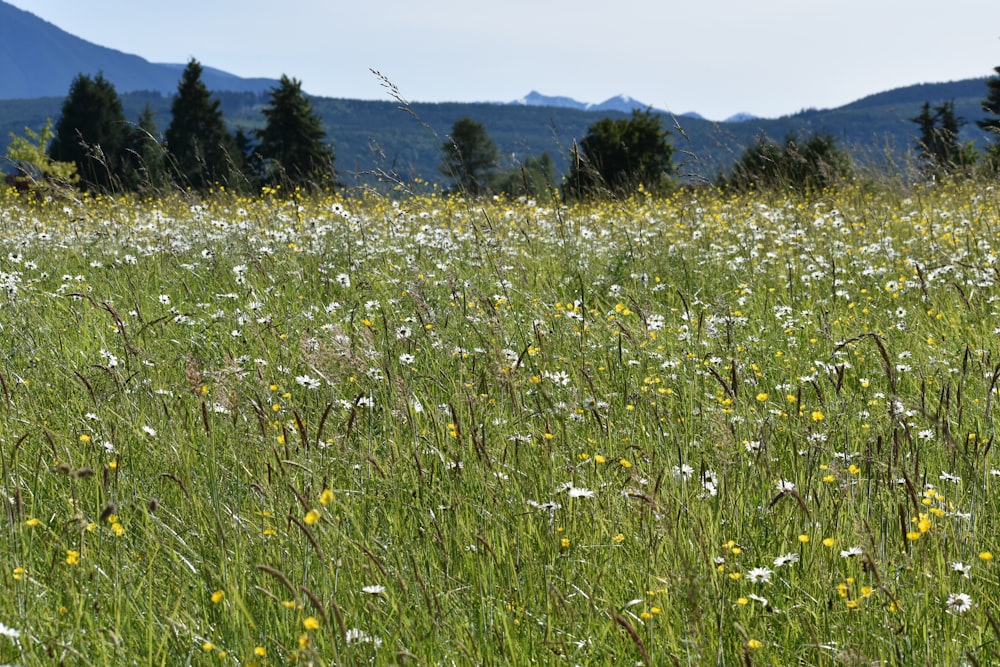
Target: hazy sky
716,57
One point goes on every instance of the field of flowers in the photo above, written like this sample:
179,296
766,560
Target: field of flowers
696,430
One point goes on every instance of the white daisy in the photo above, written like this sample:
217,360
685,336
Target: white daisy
958,603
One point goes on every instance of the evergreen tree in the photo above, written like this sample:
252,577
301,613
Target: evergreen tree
92,132
145,165
292,144
938,141
469,157
618,156
991,124
202,150
991,104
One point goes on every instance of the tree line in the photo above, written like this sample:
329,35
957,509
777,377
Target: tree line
622,156
93,147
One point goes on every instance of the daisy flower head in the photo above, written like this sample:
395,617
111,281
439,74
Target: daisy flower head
958,603
759,575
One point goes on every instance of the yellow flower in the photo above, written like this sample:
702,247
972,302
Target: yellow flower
207,646
260,651
326,497
817,415
985,555
19,573
310,623
312,516
754,644
84,438
72,557
564,542
618,539
32,522
625,463
803,538
829,542
217,596
599,459
762,396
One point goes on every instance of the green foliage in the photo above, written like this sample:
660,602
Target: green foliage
92,133
30,158
938,143
144,162
991,124
203,153
619,156
292,144
535,178
809,164
469,157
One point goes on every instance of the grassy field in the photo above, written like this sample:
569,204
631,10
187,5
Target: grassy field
694,431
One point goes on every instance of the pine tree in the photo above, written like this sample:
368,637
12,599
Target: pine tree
92,132
144,163
938,141
292,144
469,157
991,104
991,124
203,152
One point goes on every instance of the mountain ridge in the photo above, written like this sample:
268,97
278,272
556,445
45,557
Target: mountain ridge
622,103
40,59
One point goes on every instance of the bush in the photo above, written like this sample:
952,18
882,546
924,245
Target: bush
809,164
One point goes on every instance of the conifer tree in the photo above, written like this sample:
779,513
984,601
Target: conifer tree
469,157
292,146
991,104
991,124
938,141
144,162
202,150
92,132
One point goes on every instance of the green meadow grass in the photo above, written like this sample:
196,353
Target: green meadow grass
691,431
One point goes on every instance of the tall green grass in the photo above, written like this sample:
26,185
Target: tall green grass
695,430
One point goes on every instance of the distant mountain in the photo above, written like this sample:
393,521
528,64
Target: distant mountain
39,59
620,103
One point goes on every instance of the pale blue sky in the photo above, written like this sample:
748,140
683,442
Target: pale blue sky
716,57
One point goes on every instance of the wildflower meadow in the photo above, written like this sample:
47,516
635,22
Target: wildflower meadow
698,429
